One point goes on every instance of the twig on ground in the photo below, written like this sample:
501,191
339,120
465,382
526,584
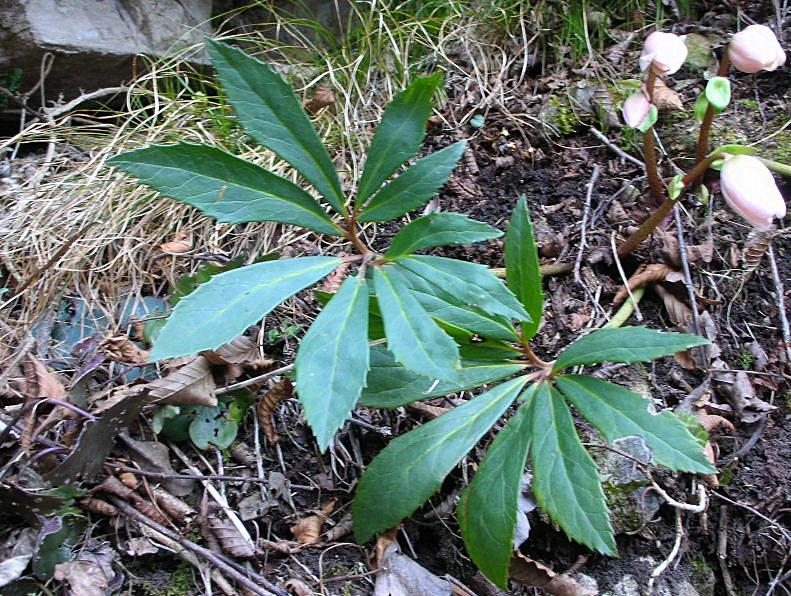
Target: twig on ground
670,558
693,508
786,534
682,250
268,588
722,551
625,279
781,307
621,153
255,380
166,476
584,226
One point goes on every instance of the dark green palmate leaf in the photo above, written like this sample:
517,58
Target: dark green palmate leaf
333,359
223,186
565,480
522,271
411,468
617,413
488,507
415,186
413,337
467,284
390,385
625,344
399,135
461,317
222,308
439,229
272,115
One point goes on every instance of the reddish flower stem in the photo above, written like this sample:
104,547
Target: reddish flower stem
649,146
663,210
705,127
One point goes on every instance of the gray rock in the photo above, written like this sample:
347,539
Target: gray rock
93,42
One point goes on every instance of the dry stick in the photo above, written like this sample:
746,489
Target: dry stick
269,588
682,250
255,380
670,558
615,148
166,476
722,551
616,255
583,229
780,302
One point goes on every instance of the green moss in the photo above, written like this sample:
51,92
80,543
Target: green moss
559,113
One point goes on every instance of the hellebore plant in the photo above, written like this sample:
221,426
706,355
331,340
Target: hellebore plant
407,326
747,184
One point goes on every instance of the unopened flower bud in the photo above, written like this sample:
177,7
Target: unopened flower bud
750,189
636,109
756,48
666,51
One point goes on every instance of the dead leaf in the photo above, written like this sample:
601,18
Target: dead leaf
179,244
298,587
230,538
172,505
665,98
98,507
16,554
241,350
644,276
740,393
332,283
39,382
153,456
136,547
112,486
712,422
430,411
677,310
266,407
308,529
401,576
190,384
323,97
533,574
339,530
121,349
754,250
91,572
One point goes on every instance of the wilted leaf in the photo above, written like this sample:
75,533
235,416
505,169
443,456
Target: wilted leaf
230,538
665,98
533,574
677,309
153,456
242,350
95,444
308,529
401,576
17,552
190,384
91,572
281,391
122,349
647,275
179,244
39,382
323,97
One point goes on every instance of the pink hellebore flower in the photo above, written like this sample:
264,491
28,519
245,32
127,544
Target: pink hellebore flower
750,190
636,109
666,51
756,48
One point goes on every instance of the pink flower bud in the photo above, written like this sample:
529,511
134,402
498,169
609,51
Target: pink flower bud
636,109
750,190
666,51
756,48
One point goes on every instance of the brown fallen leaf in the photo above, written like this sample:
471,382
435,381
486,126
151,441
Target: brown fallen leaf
323,97
120,348
430,411
242,350
280,391
308,529
91,572
533,574
179,244
98,507
754,250
298,587
39,383
230,538
172,505
712,422
332,283
190,384
399,575
665,98
647,275
677,309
